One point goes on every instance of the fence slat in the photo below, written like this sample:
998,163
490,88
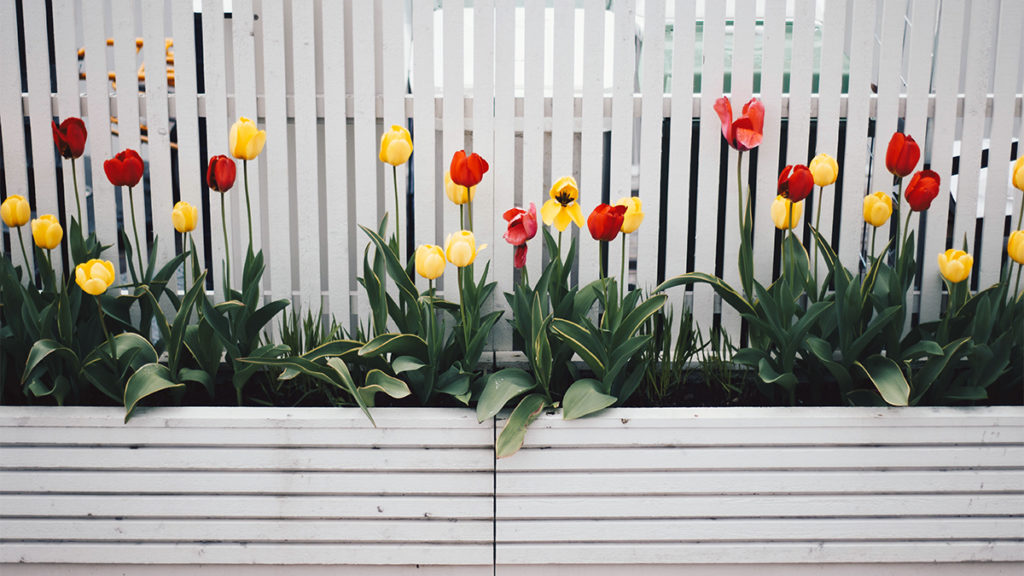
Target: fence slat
772,68
562,48
620,163
12,127
800,75
855,161
126,64
393,75
592,124
158,124
487,220
428,188
244,64
217,127
336,167
453,126
533,120
503,169
830,84
653,87
705,235
37,57
364,145
69,102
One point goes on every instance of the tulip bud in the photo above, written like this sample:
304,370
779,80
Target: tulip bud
220,174
46,232
795,182
184,216
430,261
825,169
458,194
634,213
246,140
95,276
469,170
877,208
1015,246
781,213
923,188
70,137
955,265
15,211
606,221
1018,173
902,155
461,249
125,169
396,146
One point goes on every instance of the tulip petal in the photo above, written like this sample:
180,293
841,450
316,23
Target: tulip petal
549,211
724,109
576,212
748,136
754,110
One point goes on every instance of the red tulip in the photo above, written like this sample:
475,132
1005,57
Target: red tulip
902,156
125,169
746,132
796,182
923,188
468,171
70,137
220,174
522,226
606,221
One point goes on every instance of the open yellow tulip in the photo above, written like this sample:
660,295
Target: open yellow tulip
562,208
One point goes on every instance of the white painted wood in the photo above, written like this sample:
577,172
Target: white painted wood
652,117
535,182
126,65
159,133
620,170
336,168
12,121
307,191
453,126
782,569
503,169
365,144
428,186
1011,17
772,69
393,74
563,43
217,134
488,224
276,154
65,56
801,70
705,235
37,69
191,173
252,570
593,125
244,66
890,85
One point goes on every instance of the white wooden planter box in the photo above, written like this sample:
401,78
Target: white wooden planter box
659,491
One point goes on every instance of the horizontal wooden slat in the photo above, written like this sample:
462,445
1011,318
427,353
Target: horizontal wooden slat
113,567
849,569
756,506
782,482
199,482
264,506
248,530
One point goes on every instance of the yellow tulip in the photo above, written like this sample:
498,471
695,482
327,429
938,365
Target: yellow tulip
781,213
430,261
877,208
46,232
1015,247
246,140
15,211
95,276
458,194
825,169
1018,173
562,208
634,213
955,265
461,249
184,216
396,146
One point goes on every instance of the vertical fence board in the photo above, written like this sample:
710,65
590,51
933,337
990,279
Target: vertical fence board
161,192
652,116
37,65
98,114
12,122
336,167
69,101
393,75
217,127
244,64
562,46
800,75
1006,71
677,207
126,65
592,123
365,137
503,170
621,159
772,68
453,126
427,190
533,119
487,221
855,160
306,181
705,235
830,84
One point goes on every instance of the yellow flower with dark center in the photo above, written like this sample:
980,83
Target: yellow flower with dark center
562,208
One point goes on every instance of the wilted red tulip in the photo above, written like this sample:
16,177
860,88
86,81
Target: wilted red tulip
70,137
606,221
746,132
796,182
125,169
220,174
923,188
902,156
468,171
522,226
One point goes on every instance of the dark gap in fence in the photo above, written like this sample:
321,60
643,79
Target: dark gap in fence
837,204
5,235
49,40
777,239
666,126
691,225
811,209
410,198
205,210
20,12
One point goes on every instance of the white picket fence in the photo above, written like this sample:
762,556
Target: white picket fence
600,90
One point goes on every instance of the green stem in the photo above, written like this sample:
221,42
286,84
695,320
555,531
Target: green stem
135,231
790,224
560,245
622,269
906,228
78,203
525,276
462,313
601,254
248,207
24,254
227,249
739,189
184,249
398,210
462,217
1020,213
469,211
874,234
896,221
1016,288
430,336
817,228
106,334
49,261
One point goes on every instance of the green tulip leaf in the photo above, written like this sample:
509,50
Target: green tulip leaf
146,381
731,297
43,350
888,379
582,342
511,438
585,397
401,344
501,387
377,381
406,364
